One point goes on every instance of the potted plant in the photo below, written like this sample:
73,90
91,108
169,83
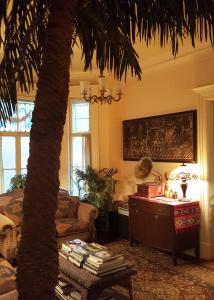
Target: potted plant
17,182
98,188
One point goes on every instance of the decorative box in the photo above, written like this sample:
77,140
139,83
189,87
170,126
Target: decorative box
149,189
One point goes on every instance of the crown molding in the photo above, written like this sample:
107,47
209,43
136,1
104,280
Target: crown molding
206,92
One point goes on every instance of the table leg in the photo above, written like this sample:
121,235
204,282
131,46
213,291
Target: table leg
174,257
197,247
129,287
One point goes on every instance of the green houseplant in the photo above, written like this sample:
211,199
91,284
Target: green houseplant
96,187
17,182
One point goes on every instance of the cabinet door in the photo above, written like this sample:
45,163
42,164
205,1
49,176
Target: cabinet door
159,231
137,224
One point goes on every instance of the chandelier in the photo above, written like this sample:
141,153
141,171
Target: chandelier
106,95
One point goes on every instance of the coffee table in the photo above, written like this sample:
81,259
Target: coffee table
91,286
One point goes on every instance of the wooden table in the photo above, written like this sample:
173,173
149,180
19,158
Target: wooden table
91,286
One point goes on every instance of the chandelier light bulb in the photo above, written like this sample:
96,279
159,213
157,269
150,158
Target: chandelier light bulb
106,95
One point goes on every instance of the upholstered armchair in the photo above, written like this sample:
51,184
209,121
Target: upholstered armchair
74,219
8,238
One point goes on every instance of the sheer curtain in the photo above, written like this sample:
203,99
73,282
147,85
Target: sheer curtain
206,162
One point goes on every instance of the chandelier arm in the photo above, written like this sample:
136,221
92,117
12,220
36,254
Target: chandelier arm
86,92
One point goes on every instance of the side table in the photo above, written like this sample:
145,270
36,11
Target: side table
91,286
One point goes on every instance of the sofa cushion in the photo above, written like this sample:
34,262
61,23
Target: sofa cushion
13,210
7,197
67,207
7,277
66,226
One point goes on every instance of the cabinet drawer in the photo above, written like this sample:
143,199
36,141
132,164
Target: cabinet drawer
149,207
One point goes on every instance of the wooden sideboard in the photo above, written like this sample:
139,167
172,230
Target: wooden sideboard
167,225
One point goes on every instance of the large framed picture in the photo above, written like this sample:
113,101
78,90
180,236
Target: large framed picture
164,138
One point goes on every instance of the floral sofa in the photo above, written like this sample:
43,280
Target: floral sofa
74,219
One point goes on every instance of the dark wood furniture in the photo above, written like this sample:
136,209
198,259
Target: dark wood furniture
91,286
123,226
172,226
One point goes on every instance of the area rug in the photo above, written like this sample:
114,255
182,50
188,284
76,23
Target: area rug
158,279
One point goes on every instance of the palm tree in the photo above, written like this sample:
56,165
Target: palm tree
38,38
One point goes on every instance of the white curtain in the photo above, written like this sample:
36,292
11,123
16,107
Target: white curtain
86,150
206,163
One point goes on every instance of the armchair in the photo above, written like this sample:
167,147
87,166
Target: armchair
8,238
74,219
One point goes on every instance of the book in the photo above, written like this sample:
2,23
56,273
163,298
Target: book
104,273
68,246
106,263
123,211
64,290
63,283
104,255
76,256
75,295
93,247
63,254
105,268
76,262
65,297
60,295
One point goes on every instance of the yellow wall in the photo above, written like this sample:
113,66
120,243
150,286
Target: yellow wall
165,88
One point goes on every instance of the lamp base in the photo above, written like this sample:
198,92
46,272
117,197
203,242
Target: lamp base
184,188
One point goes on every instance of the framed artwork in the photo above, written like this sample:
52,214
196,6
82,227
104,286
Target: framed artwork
164,138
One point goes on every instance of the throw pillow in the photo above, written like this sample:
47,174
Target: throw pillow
14,210
67,207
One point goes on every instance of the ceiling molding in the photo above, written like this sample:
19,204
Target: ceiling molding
206,92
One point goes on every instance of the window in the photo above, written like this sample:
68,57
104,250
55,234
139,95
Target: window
14,144
80,140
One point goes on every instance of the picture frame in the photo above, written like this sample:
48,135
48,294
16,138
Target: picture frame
163,138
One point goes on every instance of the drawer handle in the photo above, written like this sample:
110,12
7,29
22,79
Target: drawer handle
156,217
133,204
136,210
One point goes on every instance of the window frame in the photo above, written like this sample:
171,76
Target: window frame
17,135
72,134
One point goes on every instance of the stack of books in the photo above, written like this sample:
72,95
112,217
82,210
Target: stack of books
93,257
104,262
80,253
65,290
68,246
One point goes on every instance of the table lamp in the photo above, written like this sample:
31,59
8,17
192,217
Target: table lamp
184,176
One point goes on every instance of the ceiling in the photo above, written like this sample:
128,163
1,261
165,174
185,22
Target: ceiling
149,57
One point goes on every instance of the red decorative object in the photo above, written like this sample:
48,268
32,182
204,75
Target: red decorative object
149,189
186,216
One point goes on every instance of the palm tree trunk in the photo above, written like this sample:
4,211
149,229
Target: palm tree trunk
38,256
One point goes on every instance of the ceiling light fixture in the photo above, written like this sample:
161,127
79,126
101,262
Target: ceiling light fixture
106,95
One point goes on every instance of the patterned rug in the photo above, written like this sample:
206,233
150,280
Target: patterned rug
158,279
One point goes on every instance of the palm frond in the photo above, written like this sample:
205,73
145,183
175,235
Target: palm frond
23,47
173,20
105,28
